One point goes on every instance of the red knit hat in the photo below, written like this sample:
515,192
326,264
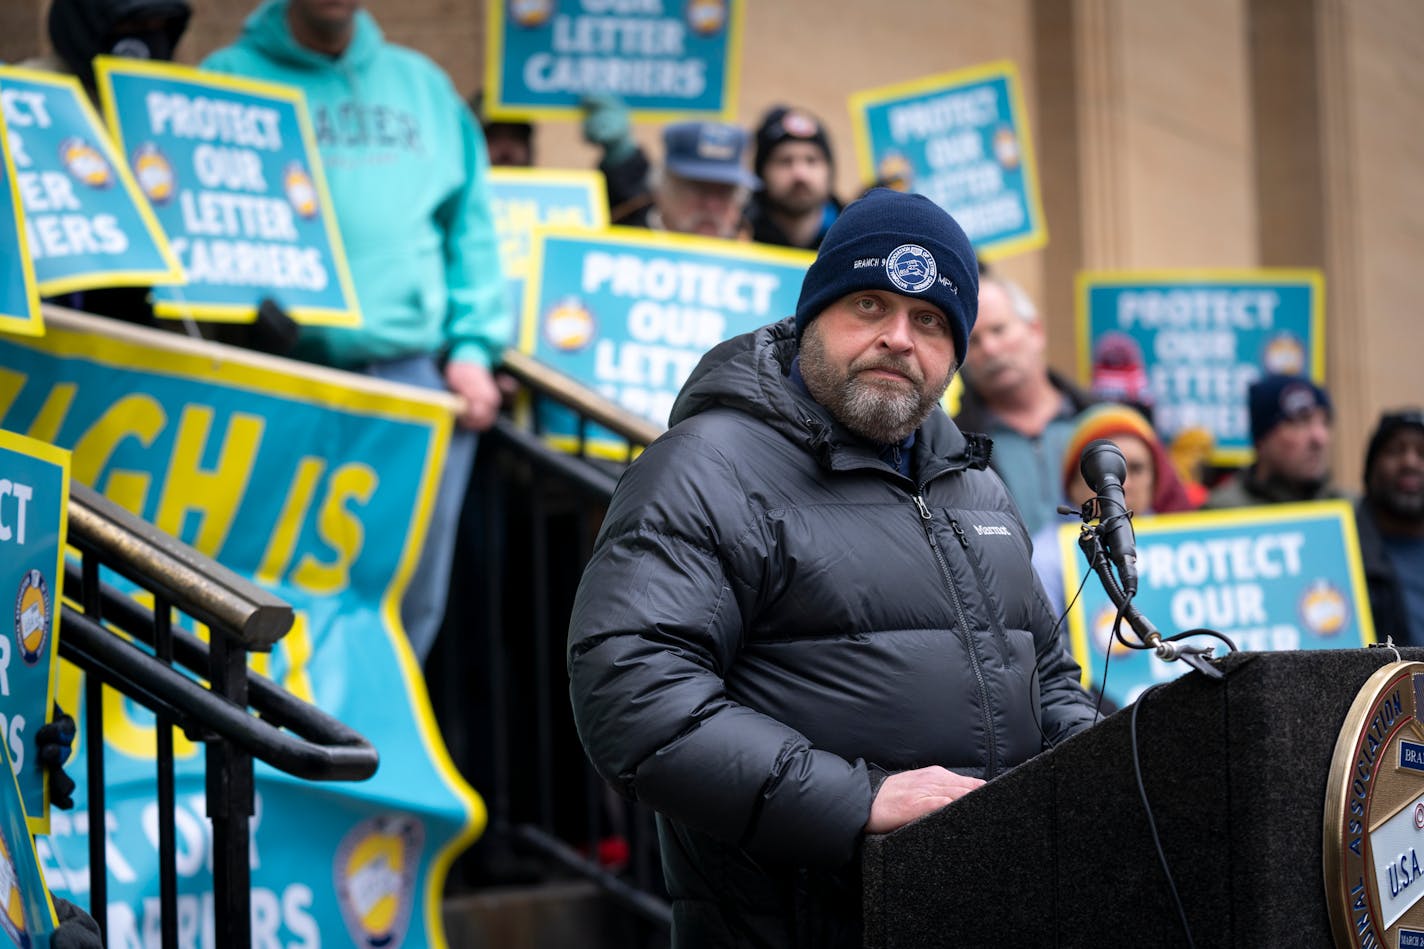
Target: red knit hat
1111,418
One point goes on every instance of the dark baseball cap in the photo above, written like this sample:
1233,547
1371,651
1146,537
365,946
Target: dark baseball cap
708,151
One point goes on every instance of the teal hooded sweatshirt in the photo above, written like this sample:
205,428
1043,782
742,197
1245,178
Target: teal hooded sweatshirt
406,166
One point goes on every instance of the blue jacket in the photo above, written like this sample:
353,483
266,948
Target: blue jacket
406,166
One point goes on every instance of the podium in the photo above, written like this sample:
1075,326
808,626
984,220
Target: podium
1059,852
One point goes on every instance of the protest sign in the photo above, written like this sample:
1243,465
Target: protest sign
629,313
1287,576
1196,340
19,301
664,61
34,505
27,914
87,223
231,169
524,199
317,485
962,140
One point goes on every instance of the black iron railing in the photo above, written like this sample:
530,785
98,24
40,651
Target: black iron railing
147,667
497,676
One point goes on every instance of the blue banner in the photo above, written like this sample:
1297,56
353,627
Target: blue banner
524,199
87,223
962,140
1286,576
34,506
1196,340
629,312
19,301
663,60
232,171
318,486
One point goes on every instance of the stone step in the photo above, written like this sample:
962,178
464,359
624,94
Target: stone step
554,915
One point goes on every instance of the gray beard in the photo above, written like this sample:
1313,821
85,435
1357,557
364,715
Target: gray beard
886,414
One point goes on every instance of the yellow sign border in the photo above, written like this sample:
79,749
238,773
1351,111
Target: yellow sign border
1265,515
172,273
859,102
59,458
105,66
1085,281
31,324
494,56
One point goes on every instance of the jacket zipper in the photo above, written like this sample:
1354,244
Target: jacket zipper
974,565
926,519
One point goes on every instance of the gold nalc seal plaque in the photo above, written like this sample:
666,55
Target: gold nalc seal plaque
1374,815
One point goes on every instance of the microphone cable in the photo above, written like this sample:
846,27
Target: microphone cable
1034,710
1151,821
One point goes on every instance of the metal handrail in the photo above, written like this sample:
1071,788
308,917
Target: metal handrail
580,398
315,745
199,586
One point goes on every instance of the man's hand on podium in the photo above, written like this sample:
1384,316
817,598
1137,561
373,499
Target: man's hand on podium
911,794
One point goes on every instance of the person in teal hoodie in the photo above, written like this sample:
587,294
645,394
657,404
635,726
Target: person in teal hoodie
407,167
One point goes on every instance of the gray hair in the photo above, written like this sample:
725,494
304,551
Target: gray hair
657,180
1020,301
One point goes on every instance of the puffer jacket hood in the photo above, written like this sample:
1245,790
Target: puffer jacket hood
79,30
748,373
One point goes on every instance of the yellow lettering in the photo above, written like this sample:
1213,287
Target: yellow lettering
283,542
136,415
130,736
216,493
297,646
46,425
340,529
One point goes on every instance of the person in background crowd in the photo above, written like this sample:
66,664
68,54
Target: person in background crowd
796,205
703,186
791,633
406,167
1012,395
510,144
1390,522
1190,451
1290,429
79,30
1151,486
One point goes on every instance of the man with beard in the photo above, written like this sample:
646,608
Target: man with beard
1290,429
795,207
1390,520
786,637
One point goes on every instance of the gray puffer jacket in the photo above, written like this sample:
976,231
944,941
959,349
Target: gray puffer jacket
773,619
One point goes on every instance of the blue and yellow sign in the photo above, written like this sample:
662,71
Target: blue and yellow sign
318,486
629,313
27,915
1198,339
87,223
664,61
19,300
962,140
1287,576
34,506
524,199
231,169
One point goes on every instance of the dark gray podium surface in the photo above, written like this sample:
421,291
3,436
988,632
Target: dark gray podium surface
1058,852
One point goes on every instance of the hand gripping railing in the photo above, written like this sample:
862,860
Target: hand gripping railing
286,733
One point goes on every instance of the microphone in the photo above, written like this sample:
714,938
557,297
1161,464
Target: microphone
1104,469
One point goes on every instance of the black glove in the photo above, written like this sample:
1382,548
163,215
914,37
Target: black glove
54,743
77,929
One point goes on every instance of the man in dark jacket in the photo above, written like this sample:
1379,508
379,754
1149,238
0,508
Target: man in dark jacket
796,205
1390,520
810,614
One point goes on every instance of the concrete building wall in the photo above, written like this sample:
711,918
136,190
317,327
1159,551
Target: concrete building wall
1220,133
